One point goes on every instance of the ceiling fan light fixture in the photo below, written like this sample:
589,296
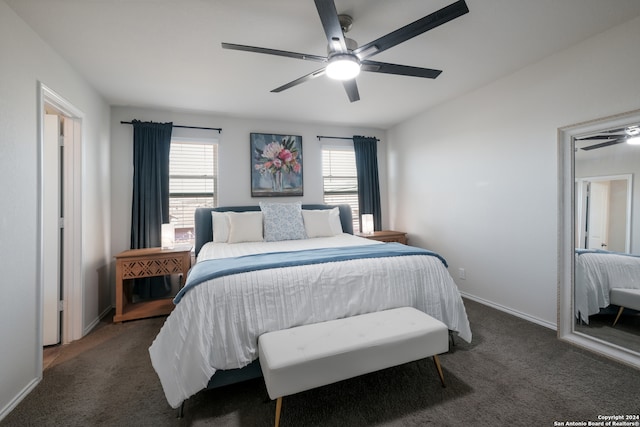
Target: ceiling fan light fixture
343,67
633,140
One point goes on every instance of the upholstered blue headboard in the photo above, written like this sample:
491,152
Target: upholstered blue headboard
204,228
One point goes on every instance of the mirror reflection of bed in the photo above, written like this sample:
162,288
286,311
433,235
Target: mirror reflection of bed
607,236
606,297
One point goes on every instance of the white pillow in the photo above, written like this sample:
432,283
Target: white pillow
322,222
220,224
334,221
245,227
283,221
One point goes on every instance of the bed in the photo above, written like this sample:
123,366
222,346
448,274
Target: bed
210,338
596,273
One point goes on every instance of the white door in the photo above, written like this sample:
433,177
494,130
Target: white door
581,191
598,215
52,233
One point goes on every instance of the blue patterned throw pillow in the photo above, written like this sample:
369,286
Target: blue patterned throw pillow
283,221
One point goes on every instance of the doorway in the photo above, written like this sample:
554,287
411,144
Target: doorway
59,236
603,206
53,172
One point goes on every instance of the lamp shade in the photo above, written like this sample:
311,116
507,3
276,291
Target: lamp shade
168,236
367,223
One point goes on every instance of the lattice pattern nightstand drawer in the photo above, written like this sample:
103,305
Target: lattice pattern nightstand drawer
152,267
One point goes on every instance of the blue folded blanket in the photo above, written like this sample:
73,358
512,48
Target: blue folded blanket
214,268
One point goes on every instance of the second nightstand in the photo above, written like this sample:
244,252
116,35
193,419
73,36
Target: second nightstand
386,236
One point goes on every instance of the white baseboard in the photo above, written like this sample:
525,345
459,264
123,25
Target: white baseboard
511,311
90,326
97,320
105,312
18,398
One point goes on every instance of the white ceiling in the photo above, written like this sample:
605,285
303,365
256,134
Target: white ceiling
166,53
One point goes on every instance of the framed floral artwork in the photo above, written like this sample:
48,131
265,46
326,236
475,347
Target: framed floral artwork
276,165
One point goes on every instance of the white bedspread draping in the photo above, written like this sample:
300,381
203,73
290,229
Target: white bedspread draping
596,274
217,324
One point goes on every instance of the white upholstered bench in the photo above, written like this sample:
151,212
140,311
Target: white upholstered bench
623,297
309,356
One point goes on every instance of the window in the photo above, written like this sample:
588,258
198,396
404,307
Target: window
340,181
193,183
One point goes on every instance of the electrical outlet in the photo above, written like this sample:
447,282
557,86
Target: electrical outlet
462,275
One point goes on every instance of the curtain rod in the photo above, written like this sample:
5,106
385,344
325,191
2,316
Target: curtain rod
184,127
337,137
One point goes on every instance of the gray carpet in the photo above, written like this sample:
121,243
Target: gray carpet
514,373
626,333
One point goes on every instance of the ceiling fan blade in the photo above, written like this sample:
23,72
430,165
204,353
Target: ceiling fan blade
596,137
276,52
620,131
604,144
352,90
402,70
412,30
604,134
331,24
300,80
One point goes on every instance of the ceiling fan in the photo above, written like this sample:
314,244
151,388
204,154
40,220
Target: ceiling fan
628,134
345,59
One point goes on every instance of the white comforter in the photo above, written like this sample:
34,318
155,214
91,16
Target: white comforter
596,275
217,323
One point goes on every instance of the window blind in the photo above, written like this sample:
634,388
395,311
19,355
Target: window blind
340,183
193,179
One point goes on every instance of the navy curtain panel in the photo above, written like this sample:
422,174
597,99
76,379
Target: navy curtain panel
150,207
366,151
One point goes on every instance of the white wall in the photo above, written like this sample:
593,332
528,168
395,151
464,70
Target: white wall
476,178
26,59
234,165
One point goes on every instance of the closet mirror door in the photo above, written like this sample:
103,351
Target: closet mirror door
599,247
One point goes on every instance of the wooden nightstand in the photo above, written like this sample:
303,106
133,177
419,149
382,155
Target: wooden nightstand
147,262
386,236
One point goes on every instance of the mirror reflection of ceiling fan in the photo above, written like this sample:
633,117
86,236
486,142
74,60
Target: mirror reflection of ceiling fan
345,59
628,134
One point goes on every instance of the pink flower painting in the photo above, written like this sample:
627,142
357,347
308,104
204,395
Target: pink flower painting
276,165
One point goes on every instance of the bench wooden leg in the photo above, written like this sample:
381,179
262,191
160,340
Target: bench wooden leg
181,410
618,316
278,409
439,368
